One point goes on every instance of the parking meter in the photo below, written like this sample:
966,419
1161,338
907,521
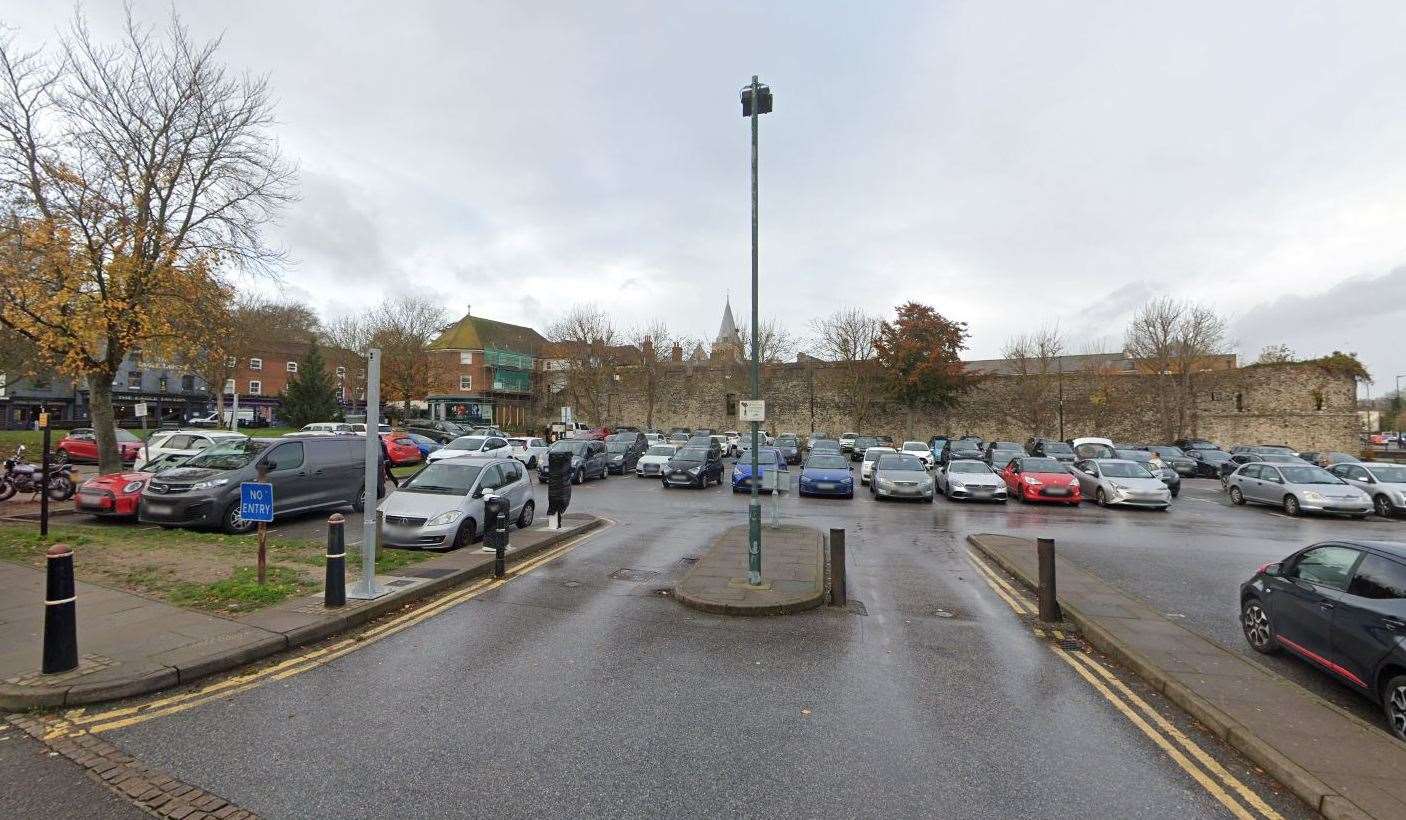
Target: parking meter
558,483
495,529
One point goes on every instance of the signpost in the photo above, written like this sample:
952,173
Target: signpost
256,504
752,410
140,410
371,482
756,100
44,480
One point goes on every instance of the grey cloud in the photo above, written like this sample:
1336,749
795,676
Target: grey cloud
334,229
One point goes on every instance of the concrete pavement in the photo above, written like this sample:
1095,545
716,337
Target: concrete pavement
793,577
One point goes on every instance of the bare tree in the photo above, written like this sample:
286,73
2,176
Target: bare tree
651,342
846,337
1038,387
1174,340
1276,354
130,175
587,342
774,342
234,331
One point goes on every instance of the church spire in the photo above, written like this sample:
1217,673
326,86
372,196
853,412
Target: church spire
727,332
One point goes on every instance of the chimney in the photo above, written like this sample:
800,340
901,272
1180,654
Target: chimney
676,355
469,309
647,349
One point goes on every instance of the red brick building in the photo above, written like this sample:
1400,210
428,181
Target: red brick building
483,372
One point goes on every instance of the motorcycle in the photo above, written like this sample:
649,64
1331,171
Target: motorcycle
22,477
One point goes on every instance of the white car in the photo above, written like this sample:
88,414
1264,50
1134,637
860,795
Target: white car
1092,447
871,455
734,441
655,460
473,445
361,428
182,443
326,428
921,450
530,451
651,439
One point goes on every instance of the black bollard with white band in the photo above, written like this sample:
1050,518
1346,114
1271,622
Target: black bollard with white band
60,612
334,592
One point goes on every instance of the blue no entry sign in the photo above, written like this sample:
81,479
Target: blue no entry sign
256,501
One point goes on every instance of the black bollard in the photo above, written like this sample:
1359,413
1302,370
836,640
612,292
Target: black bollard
838,593
334,591
1049,602
60,613
495,530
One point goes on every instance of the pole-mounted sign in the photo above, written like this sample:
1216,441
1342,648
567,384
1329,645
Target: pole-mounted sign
256,504
751,410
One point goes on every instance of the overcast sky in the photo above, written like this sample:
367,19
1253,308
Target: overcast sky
1011,164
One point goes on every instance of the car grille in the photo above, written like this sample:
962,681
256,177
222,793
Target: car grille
167,488
404,521
650,468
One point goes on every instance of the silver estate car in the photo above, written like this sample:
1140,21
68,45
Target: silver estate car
1297,488
442,505
970,479
1385,483
1117,481
901,475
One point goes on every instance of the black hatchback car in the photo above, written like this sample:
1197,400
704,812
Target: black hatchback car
694,467
1341,605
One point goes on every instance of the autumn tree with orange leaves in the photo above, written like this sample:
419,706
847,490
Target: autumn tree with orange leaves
919,357
132,176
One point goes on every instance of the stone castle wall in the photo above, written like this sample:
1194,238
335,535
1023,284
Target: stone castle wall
1302,405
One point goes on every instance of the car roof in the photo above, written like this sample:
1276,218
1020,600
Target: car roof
1395,549
1114,461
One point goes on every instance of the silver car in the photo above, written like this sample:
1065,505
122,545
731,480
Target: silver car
900,475
970,479
1296,488
1118,481
1385,483
442,505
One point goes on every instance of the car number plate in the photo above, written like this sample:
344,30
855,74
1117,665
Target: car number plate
159,509
982,490
825,485
1057,491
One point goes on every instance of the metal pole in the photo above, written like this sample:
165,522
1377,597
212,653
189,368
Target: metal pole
371,477
234,411
754,507
1049,602
44,486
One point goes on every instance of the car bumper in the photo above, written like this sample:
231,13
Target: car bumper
682,480
978,493
903,492
401,535
1042,494
1337,507
178,511
828,488
649,470
744,485
1150,502
106,504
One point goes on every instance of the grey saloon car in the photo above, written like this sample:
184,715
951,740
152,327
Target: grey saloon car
899,475
1296,488
970,479
1120,482
442,505
1385,483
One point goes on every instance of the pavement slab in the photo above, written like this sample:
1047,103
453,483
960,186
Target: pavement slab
793,573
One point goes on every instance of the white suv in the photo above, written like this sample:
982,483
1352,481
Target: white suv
182,443
528,450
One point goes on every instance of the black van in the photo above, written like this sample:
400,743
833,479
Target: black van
307,473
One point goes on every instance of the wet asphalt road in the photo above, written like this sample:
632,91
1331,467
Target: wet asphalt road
39,785
567,693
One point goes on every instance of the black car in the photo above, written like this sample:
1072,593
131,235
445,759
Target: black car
790,448
999,453
589,459
1195,444
437,429
1340,605
1050,448
1173,457
861,444
694,467
623,452
961,449
1208,462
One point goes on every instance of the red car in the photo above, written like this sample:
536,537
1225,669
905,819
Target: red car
401,449
115,495
81,444
1037,478
593,434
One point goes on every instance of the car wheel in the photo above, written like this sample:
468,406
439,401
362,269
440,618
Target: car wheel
233,524
1101,498
359,503
1259,632
1382,504
524,518
464,535
579,476
7,488
1394,703
1291,506
931,497
1237,497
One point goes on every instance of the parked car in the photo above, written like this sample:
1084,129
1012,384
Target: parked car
1174,457
768,460
679,438
1264,449
1238,460
1208,462
311,473
426,444
1385,483
360,427
624,453
847,442
971,479
871,455
477,445
1050,448
734,441
443,504
961,449
326,428
655,460
1342,607
1188,444
181,442
901,475
1092,447
920,449
1041,478
1328,459
790,447
530,450
861,444
81,446
1297,488
826,472
694,467
824,445
401,449
588,459
652,439
999,453
1153,464
437,429
115,495
1121,482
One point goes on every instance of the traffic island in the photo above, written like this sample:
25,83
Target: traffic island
1333,761
793,574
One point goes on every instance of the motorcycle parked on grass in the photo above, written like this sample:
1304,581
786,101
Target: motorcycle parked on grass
23,477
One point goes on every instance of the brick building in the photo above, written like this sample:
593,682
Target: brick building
482,372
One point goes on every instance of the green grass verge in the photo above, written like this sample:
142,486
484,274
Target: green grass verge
241,591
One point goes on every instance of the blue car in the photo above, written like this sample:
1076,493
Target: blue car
827,474
768,459
426,444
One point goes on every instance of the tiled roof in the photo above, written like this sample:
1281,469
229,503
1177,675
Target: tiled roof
477,333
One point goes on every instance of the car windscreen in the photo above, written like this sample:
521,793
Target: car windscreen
866,441
968,467
787,441
691,454
1061,448
1390,473
1094,450
1123,469
824,444
230,456
466,443
566,446
1169,452
764,456
618,446
1042,465
1307,474
908,464
1135,455
449,477
915,447
1277,458
123,435
873,453
828,462
661,450
1213,456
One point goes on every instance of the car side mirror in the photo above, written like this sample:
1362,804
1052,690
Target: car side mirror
1273,570
478,493
270,465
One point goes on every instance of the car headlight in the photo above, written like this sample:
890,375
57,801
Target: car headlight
1033,481
133,486
926,483
695,471
206,485
956,485
90,483
617,459
1312,496
444,518
886,484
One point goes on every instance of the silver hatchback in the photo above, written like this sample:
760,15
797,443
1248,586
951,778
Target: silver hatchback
1118,481
442,505
1385,483
1296,488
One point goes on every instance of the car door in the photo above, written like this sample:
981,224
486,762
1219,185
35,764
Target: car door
288,476
1268,484
1305,594
1356,475
1009,474
1248,480
1370,620
1087,474
515,486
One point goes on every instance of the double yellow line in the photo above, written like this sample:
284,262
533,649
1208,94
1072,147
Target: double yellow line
78,721
1195,761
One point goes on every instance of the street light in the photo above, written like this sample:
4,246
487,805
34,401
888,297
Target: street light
756,100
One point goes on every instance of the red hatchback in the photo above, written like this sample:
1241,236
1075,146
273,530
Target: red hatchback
401,449
1036,478
81,444
116,495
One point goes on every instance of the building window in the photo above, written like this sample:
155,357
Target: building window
256,388
731,407
466,382
466,357
231,362
161,384
187,384
292,367
256,364
1239,402
134,380
341,372
229,386
1318,400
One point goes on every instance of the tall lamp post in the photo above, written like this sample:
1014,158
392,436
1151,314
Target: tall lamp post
756,100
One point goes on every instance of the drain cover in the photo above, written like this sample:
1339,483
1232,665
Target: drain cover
633,575
943,613
689,559
1071,645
